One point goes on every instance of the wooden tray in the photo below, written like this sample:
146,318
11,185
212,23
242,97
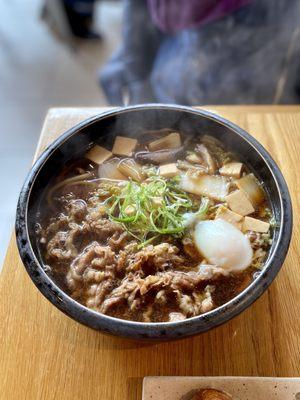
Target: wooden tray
241,388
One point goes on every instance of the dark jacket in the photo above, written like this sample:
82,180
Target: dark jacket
248,56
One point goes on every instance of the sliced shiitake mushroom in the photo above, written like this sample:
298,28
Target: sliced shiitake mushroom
209,161
192,169
160,156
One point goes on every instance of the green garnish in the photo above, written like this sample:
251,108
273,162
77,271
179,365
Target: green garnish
273,223
150,209
203,209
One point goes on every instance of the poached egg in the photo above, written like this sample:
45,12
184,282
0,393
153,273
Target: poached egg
223,245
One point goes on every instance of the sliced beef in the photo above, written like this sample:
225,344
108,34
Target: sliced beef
103,228
190,248
61,223
196,303
155,258
91,274
118,240
134,288
105,270
62,246
176,316
78,209
56,247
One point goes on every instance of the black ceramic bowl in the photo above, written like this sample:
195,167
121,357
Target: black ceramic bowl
132,121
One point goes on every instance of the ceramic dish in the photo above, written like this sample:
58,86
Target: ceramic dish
102,129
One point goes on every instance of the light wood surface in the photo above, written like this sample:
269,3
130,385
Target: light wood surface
46,355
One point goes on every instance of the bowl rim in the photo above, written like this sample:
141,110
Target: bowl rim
153,330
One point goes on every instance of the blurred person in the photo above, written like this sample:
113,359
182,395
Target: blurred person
80,15
70,18
206,51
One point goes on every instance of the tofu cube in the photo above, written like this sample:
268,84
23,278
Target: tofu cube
171,141
256,225
233,169
239,202
168,170
98,154
124,146
230,216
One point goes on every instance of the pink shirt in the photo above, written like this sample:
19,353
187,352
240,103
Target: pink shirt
174,15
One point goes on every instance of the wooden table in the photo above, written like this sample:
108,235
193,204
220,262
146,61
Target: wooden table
46,355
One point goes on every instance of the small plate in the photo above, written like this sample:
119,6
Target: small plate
240,388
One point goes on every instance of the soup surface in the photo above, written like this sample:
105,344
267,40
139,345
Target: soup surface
160,230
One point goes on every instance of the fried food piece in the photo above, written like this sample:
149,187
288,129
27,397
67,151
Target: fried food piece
211,394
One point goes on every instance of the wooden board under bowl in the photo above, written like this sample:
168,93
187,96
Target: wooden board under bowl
240,388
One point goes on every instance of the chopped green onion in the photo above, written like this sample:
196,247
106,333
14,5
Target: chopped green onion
147,220
203,209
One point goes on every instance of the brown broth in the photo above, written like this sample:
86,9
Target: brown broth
93,258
